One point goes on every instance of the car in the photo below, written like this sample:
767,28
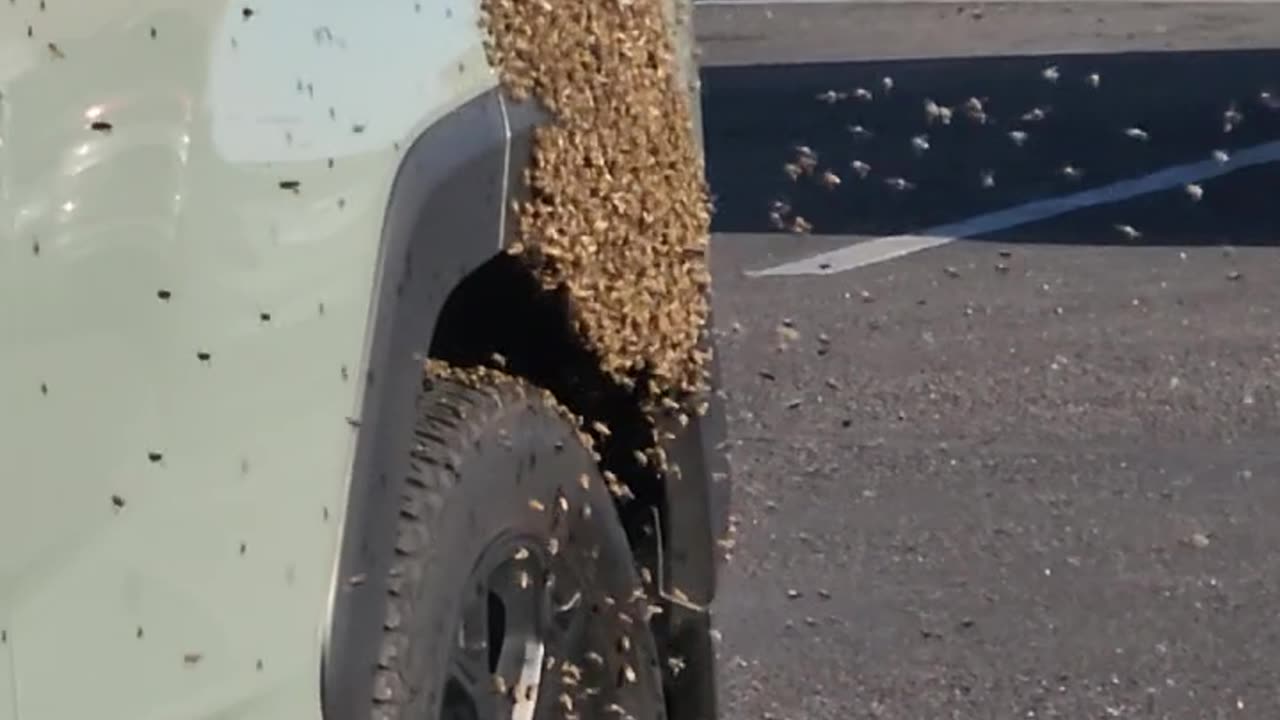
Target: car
288,432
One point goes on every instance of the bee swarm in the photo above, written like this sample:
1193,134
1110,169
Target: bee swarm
619,213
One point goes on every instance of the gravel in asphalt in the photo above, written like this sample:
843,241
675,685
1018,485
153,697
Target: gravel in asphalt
1027,475
1046,492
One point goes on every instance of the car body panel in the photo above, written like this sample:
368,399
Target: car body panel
212,319
169,519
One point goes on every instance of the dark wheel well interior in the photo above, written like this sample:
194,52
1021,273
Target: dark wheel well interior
501,308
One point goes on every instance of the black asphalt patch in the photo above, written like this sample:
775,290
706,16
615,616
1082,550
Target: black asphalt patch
756,116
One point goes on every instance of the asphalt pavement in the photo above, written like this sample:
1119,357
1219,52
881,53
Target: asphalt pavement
1028,472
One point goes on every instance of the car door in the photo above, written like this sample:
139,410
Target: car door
192,201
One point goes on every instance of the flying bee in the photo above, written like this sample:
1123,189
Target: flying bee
974,109
676,664
862,94
886,82
859,132
920,143
1231,117
933,112
1137,133
831,97
1071,172
792,170
1129,231
801,226
1051,73
987,178
1035,114
861,168
829,180
1093,80
1194,191
900,184
1221,157
1019,137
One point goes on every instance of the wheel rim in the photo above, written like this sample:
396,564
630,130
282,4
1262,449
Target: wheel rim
523,616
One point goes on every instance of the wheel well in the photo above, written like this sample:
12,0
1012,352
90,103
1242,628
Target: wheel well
502,308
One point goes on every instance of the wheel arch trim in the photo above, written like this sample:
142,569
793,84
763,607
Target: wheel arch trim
444,218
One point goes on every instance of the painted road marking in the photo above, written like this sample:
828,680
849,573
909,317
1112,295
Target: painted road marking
886,248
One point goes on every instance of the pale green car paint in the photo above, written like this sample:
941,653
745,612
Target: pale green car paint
205,595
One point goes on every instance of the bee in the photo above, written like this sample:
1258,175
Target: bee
1221,157
898,183
830,180
792,171
974,109
1194,191
862,94
1129,231
1035,114
801,226
1071,172
1019,137
920,143
861,168
886,82
1050,73
859,132
831,97
1231,117
1137,134
987,178
933,112
1093,80
1269,100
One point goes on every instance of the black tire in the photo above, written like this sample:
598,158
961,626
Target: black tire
502,493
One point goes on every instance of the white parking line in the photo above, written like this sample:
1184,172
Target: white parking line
886,248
